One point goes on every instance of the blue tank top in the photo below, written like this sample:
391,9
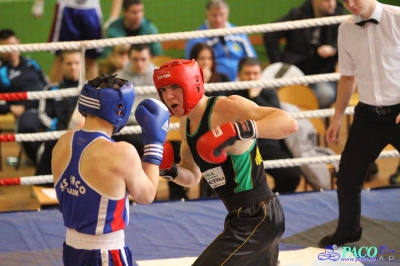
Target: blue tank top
83,207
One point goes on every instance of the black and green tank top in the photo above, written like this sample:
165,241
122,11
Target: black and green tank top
238,173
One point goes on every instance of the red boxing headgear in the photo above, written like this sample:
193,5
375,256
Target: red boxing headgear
185,73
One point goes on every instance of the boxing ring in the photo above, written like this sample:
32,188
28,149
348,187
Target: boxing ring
175,233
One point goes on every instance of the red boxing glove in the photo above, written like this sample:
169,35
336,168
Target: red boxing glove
211,145
168,156
168,168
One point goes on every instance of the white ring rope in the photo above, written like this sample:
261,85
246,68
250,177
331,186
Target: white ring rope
49,94
273,83
269,27
269,164
53,135
222,86
43,136
37,179
321,113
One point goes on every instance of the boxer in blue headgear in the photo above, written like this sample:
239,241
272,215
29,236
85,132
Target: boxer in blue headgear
94,175
108,97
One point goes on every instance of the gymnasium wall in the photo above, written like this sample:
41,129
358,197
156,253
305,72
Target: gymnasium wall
168,15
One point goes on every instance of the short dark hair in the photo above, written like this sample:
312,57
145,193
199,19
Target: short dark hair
139,47
127,3
216,3
66,52
6,33
248,61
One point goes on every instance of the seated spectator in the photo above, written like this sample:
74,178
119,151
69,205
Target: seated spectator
313,50
286,179
132,23
116,60
139,71
229,49
204,55
21,74
55,113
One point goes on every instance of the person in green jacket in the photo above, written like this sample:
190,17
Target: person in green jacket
132,23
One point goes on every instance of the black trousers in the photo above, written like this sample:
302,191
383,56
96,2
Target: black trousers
370,133
29,122
250,237
43,167
286,178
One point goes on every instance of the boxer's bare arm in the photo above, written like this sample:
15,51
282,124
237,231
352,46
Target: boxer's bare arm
61,155
189,172
272,123
112,168
124,170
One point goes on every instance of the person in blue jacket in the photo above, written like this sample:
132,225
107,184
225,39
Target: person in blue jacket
228,49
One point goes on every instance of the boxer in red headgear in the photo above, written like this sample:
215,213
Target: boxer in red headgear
186,74
219,143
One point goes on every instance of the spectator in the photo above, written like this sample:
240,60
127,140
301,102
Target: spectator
56,113
116,60
229,49
139,69
286,179
76,21
21,74
312,50
204,55
132,23
139,72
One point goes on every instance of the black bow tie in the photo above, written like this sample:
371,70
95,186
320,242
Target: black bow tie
362,23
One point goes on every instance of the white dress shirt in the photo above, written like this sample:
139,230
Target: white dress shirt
372,54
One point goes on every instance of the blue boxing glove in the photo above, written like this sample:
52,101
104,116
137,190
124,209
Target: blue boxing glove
153,116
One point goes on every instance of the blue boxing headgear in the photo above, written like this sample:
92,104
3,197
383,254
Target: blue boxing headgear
109,98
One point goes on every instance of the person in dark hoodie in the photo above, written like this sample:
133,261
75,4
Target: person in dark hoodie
20,73
56,113
313,50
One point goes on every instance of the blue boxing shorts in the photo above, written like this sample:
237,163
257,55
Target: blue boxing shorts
74,24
